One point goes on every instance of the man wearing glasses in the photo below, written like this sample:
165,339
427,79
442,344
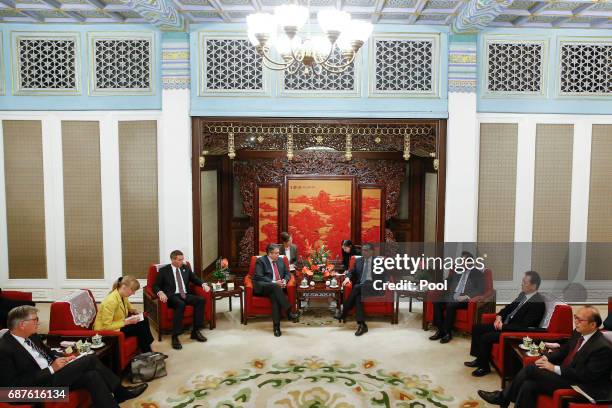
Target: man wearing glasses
27,362
585,359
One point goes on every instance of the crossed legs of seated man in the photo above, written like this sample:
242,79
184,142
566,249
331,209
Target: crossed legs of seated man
444,322
178,305
279,301
355,300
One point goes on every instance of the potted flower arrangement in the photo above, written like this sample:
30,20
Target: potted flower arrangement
221,272
316,266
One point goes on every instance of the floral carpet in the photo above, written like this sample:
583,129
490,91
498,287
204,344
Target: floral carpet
309,383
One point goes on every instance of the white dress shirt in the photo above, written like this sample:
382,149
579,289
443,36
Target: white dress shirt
40,360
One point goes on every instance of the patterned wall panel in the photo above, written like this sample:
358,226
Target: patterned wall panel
175,64
82,200
229,66
599,227
1,65
210,217
514,67
371,214
345,82
405,66
139,198
121,63
497,196
552,200
25,199
267,217
585,68
46,63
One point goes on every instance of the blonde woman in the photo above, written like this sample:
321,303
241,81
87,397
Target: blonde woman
116,313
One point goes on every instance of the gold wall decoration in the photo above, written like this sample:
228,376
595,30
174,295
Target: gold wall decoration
290,146
406,147
231,150
348,155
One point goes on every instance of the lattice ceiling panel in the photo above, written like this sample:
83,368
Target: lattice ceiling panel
519,13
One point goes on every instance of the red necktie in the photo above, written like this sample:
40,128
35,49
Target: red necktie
568,359
181,284
276,274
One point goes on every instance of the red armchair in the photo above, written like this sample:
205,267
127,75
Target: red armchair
257,306
559,327
375,305
562,398
15,295
61,323
477,306
160,315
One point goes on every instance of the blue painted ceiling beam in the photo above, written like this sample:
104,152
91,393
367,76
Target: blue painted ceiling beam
478,14
160,13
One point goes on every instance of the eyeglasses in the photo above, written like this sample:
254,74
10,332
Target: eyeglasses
35,319
577,319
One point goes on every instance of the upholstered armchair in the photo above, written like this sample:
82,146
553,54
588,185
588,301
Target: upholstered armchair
62,323
566,398
477,306
257,306
160,315
374,305
15,295
560,326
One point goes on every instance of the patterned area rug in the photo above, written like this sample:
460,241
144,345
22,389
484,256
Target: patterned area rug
310,383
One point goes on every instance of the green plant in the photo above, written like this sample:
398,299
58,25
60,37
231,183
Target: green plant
221,271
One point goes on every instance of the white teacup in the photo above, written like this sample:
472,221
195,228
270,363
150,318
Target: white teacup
96,340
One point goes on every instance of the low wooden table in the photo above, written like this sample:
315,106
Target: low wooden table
412,294
319,290
108,354
229,294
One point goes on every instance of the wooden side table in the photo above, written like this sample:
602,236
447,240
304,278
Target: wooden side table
515,358
411,294
238,292
108,355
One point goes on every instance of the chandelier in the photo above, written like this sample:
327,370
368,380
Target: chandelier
342,38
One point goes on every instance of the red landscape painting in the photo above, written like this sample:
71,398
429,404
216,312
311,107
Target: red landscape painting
370,214
268,218
319,213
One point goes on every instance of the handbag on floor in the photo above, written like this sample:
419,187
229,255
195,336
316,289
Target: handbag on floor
148,366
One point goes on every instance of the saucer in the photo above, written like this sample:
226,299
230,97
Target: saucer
304,286
98,346
334,287
524,347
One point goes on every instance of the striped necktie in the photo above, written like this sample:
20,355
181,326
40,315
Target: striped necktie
40,351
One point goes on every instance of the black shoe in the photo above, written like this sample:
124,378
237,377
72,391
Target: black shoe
196,335
480,372
362,329
494,398
292,317
473,363
437,336
277,331
446,338
125,393
176,344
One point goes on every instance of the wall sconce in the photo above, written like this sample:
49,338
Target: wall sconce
406,147
231,149
203,158
289,146
348,155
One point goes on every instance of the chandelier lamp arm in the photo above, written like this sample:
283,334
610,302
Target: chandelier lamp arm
338,69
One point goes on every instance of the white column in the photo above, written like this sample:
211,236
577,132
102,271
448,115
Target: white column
174,153
461,207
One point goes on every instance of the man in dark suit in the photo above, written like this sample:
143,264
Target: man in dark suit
289,249
27,362
172,286
525,312
461,288
271,277
362,278
585,359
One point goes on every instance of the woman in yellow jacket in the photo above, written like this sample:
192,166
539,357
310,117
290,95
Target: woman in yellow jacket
116,313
